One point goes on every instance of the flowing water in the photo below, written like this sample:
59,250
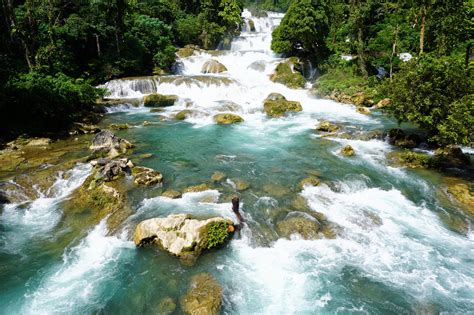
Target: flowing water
393,253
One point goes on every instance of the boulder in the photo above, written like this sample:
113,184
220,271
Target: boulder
360,99
276,105
311,181
159,100
218,176
327,126
397,137
106,143
285,74
228,106
213,66
451,156
227,118
251,25
187,51
276,190
299,223
146,176
363,110
119,126
81,128
182,236
197,188
182,115
463,194
241,185
347,151
173,194
110,170
383,103
259,65
204,296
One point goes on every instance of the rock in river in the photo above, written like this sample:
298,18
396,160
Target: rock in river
227,118
182,236
159,100
276,105
106,143
146,176
213,66
204,296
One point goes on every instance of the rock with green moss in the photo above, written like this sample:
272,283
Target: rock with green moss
276,190
412,159
218,176
285,74
213,66
146,176
299,223
309,181
187,51
167,306
197,188
241,185
119,126
363,110
451,156
276,105
182,115
463,193
159,100
173,194
227,118
204,296
348,151
182,236
251,25
327,126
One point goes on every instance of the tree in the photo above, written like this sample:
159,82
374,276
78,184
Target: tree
436,94
303,30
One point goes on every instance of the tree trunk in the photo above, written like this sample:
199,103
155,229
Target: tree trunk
422,29
12,21
394,51
361,53
97,42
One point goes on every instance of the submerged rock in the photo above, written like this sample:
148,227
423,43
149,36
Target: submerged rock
347,151
106,143
241,185
182,236
327,126
167,306
159,100
299,223
119,126
173,194
285,74
197,188
218,176
276,190
204,296
146,176
213,66
227,118
276,105
311,181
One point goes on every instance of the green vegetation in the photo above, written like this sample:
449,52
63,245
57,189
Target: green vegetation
377,38
217,234
54,52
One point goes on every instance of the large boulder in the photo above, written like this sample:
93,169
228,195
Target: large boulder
451,156
204,296
146,176
213,66
159,100
107,144
182,236
227,118
276,105
285,74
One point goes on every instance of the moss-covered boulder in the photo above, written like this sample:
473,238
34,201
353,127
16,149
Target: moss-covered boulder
299,223
309,181
146,176
182,236
327,126
159,100
213,66
119,126
241,184
173,194
451,156
167,306
348,151
197,188
463,193
276,105
285,74
204,296
218,176
182,115
187,51
227,119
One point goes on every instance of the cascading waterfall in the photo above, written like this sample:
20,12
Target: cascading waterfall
392,253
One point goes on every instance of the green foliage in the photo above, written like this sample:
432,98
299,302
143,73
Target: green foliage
303,30
437,95
217,234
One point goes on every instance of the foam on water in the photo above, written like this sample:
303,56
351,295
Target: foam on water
23,222
75,285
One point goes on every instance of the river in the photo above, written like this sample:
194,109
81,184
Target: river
392,252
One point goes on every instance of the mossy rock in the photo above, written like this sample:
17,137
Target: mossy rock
412,159
303,225
251,25
119,126
276,190
187,51
218,176
227,118
363,110
241,185
173,194
197,188
463,194
284,74
276,105
182,115
167,306
159,100
311,181
348,151
204,296
327,126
